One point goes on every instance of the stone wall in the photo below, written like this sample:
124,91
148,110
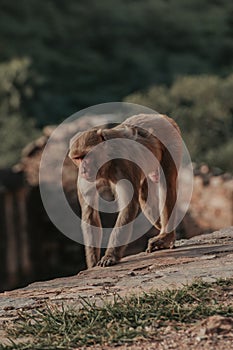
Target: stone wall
31,248
212,202
15,262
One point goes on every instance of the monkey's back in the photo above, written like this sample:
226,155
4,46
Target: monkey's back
161,127
156,122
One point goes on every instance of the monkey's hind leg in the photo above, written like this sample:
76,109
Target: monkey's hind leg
167,235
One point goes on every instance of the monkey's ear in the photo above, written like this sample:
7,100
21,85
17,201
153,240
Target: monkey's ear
130,132
102,134
124,131
74,138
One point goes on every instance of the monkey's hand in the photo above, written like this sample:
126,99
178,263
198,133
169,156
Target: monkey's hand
162,241
108,260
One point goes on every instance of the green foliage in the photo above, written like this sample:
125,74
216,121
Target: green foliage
15,92
92,51
203,108
80,53
15,133
17,86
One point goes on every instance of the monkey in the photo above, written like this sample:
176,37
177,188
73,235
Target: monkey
102,172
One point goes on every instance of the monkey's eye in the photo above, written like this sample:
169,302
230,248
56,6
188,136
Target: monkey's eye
79,157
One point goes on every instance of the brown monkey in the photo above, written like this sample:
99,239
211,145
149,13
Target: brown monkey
152,134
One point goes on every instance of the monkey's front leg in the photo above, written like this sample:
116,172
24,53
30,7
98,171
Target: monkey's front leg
92,235
92,230
120,235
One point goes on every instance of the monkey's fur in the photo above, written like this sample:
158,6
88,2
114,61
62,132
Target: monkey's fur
146,130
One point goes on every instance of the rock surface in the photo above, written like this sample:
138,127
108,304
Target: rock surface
208,257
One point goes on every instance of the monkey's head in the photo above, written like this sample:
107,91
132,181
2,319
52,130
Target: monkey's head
80,153
82,148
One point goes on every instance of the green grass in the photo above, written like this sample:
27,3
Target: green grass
122,321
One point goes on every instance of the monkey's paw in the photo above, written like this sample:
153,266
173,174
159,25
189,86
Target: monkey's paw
164,241
107,260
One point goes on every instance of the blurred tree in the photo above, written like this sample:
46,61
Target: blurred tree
203,108
91,51
15,92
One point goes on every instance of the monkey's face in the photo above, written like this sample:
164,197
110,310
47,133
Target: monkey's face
83,154
89,158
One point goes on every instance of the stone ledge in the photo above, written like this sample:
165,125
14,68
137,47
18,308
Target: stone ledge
208,257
